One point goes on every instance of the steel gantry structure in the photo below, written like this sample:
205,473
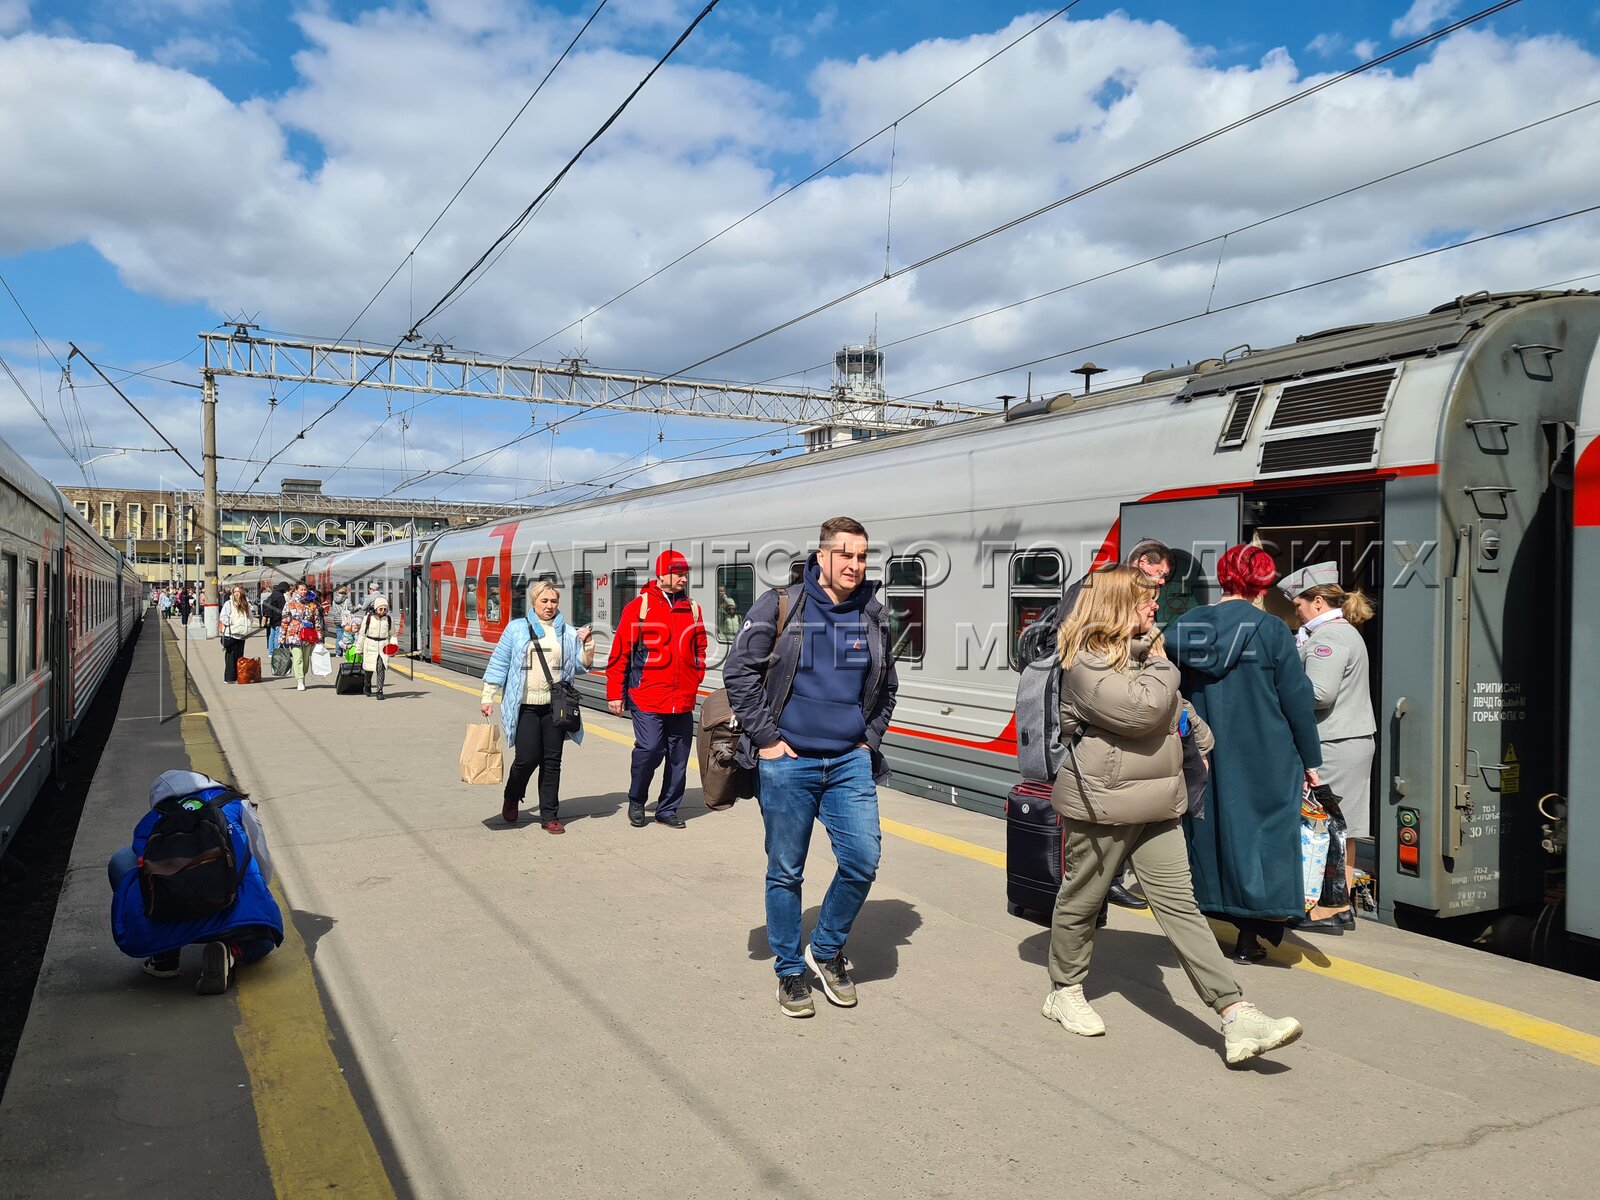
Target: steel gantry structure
440,371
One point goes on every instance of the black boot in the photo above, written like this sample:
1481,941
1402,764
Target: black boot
1123,898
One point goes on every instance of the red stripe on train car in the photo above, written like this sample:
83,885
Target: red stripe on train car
1586,488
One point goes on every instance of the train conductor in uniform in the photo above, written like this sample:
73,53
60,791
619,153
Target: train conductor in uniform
658,658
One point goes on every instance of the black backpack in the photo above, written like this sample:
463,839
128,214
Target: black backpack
188,869
1040,747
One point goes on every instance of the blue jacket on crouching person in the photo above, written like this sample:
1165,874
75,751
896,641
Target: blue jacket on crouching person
254,914
762,665
508,667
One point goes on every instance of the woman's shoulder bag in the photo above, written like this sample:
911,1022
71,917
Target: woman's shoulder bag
566,711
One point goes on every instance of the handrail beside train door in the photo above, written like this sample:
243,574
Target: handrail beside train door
1458,806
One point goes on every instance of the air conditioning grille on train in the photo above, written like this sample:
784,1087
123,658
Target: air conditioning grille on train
1237,426
1319,451
1341,398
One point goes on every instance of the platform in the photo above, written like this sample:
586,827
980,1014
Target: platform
469,1010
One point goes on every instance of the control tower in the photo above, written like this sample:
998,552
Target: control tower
858,399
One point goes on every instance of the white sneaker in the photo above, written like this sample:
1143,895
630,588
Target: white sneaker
1251,1032
1068,1006
301,686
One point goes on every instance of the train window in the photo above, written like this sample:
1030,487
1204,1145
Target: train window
30,619
8,632
582,598
906,597
470,591
491,598
1036,581
519,597
797,570
736,592
624,587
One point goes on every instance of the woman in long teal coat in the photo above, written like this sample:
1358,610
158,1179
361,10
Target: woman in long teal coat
1243,675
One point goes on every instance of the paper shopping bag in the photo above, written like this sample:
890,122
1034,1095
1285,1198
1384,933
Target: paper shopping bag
481,753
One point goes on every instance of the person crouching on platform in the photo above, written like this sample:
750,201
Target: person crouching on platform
519,682
1121,795
243,931
377,631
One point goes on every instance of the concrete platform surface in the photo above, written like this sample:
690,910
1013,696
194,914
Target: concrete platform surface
593,1014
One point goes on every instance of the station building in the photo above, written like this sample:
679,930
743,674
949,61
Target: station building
160,530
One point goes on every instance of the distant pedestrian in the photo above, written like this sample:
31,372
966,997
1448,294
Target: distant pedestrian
1241,673
814,693
272,614
234,626
301,629
244,931
185,605
1335,659
374,594
658,658
1120,794
374,633
515,679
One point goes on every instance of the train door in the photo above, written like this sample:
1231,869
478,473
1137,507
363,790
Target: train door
411,600
1197,532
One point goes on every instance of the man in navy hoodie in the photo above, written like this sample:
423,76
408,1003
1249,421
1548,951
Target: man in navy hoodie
814,699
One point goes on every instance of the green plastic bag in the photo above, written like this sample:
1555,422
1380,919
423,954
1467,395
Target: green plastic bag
352,655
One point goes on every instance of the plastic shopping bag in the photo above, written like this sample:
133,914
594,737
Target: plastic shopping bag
1313,849
482,753
321,660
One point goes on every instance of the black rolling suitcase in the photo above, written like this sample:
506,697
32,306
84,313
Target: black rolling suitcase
351,679
1034,841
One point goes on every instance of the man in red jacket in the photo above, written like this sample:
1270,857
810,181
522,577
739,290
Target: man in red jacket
658,658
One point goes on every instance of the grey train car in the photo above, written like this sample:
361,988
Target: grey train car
1444,460
68,603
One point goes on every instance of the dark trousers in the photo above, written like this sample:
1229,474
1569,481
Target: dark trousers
373,681
657,736
232,652
538,747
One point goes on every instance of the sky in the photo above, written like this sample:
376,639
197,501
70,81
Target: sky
169,167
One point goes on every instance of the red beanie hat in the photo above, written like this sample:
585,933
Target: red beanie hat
669,561
1246,571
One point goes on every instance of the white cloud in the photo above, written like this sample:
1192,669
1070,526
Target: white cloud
206,204
1422,16
191,51
1365,49
13,15
1327,45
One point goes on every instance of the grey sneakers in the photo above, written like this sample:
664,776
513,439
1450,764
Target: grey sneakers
216,969
794,996
834,975
1250,1032
1068,1006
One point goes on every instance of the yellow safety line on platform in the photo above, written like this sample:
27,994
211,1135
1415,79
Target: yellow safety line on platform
1563,1039
313,1136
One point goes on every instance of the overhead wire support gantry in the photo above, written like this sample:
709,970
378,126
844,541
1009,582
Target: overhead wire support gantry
441,371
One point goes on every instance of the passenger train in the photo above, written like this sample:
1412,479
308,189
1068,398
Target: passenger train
1446,461
68,603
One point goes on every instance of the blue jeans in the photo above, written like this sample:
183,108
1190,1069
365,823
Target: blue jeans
251,949
272,639
658,736
840,793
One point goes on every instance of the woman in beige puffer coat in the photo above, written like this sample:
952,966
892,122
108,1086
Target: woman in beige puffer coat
1121,795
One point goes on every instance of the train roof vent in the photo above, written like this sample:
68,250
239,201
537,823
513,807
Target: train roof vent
1339,398
1237,427
1319,452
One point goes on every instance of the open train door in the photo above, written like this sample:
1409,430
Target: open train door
1197,531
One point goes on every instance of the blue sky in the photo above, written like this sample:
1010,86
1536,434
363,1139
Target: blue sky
175,163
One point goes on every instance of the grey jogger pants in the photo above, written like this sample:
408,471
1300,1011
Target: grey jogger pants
1094,857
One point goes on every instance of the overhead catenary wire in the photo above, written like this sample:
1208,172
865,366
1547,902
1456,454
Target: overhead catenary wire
1277,295
1091,189
1100,277
472,272
39,412
75,352
794,187
410,256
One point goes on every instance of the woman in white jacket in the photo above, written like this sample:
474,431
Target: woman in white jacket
235,627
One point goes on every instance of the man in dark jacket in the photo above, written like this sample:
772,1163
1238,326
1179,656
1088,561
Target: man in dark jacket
272,614
814,698
658,658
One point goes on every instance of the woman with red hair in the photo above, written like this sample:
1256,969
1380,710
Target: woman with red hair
1242,673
